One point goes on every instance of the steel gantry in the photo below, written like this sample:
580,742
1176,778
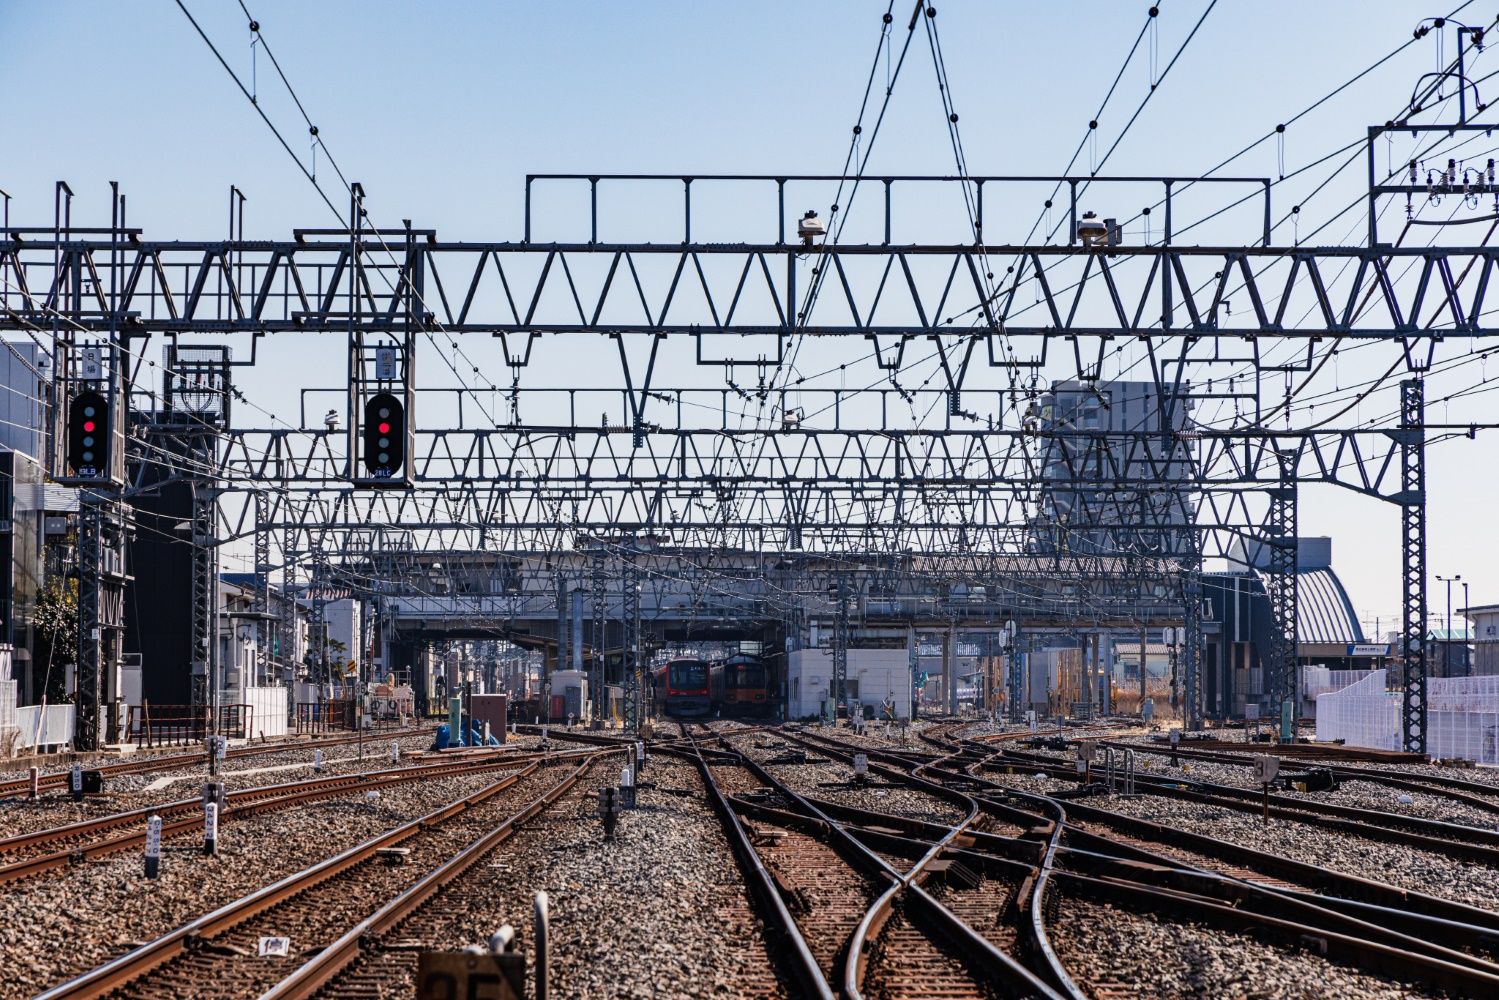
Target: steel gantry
1413,564
694,425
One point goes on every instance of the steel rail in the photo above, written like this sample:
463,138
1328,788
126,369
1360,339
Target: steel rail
1360,940
270,798
1359,953
1350,893
1170,875
796,957
1050,974
59,779
994,963
306,980
1451,839
136,963
1470,793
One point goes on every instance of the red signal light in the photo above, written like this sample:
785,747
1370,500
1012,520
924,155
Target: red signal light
88,425
385,428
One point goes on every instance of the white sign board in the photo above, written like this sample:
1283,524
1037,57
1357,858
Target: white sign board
274,947
1265,769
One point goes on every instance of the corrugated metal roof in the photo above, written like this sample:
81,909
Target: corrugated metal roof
45,496
1323,611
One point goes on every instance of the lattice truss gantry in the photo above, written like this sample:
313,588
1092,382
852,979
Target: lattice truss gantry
959,403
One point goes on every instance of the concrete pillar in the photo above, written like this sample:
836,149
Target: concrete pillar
575,644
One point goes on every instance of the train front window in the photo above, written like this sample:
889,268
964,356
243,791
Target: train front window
689,674
749,677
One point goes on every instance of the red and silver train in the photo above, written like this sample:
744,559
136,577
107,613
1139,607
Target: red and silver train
738,686
680,688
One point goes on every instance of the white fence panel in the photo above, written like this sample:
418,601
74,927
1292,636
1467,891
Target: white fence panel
41,726
1363,714
1463,735
1462,716
268,708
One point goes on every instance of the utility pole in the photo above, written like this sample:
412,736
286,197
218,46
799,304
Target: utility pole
1447,627
600,632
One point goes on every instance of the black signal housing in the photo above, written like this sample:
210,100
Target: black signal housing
384,430
88,436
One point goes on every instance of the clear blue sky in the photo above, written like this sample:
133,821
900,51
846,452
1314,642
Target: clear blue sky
441,108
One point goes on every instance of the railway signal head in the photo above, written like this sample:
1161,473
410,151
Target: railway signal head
88,435
384,436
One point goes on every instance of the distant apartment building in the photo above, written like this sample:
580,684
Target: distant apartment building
37,521
24,375
1484,631
1123,508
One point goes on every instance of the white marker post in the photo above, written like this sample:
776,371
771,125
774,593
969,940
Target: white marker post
75,781
395,752
317,761
640,755
210,828
153,847
36,782
627,787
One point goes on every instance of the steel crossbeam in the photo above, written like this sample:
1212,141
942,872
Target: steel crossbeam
897,292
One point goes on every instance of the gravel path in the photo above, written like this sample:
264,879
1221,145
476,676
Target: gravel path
61,925
1105,947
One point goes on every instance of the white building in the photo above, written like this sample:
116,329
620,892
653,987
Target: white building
1485,636
876,677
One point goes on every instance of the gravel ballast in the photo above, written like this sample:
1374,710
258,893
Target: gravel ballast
134,791
829,781
661,912
1395,864
61,924
1105,946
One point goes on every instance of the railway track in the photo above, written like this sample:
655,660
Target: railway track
335,912
29,854
863,906
930,877
1477,794
59,780
1078,861
1454,840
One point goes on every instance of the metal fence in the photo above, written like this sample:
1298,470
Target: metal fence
339,715
164,725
